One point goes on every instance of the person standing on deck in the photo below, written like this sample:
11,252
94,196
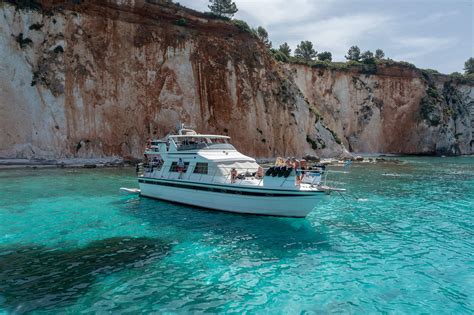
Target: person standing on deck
180,168
233,175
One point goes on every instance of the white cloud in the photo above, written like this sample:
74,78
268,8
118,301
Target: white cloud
416,47
436,17
418,31
271,12
337,34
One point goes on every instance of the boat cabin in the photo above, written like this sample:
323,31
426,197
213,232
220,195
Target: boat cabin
197,157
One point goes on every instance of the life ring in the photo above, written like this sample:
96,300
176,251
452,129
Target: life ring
282,171
269,171
288,172
275,171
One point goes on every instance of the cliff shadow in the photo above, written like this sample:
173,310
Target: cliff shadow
35,277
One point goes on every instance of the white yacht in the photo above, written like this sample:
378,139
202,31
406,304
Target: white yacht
208,172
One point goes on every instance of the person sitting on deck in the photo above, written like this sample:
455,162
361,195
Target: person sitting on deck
233,175
279,162
259,174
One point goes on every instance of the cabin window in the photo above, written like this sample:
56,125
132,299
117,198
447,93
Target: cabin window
174,167
201,168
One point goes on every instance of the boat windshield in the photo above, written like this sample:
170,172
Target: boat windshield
200,143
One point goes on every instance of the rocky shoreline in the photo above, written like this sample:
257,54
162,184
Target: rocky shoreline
119,162
65,163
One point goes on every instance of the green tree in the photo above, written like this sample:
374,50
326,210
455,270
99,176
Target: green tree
285,49
225,8
325,56
305,50
262,34
367,57
353,54
469,66
379,54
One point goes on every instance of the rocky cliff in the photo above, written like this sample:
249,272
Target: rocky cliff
97,78
392,108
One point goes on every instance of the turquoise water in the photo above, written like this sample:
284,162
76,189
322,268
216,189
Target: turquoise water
402,241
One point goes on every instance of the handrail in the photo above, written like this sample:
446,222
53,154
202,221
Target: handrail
243,174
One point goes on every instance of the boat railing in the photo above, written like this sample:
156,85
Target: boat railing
242,177
243,174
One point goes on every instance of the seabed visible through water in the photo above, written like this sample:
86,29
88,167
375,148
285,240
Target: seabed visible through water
401,240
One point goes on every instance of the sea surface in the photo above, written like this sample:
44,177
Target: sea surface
401,240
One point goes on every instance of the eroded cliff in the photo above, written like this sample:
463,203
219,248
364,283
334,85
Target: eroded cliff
392,108
97,78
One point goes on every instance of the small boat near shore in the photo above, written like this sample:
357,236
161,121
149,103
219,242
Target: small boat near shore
207,171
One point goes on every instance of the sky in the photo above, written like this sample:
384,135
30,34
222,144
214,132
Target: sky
434,34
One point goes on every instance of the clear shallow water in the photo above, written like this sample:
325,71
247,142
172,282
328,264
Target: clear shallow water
402,241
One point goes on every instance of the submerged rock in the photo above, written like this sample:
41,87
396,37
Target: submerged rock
34,277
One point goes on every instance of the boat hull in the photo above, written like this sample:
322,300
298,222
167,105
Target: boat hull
244,200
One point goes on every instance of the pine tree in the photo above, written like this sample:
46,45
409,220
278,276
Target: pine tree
379,54
262,34
469,66
367,57
353,54
285,49
305,51
225,8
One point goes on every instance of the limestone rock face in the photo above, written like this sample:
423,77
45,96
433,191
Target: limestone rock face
97,78
391,109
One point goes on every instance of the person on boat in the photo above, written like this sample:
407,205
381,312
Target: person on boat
180,167
148,143
296,166
259,174
303,167
288,162
279,162
233,175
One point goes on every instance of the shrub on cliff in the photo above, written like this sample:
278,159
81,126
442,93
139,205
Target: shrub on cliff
243,26
278,55
26,4
23,41
305,51
430,112
223,7
367,57
325,56
181,22
431,71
